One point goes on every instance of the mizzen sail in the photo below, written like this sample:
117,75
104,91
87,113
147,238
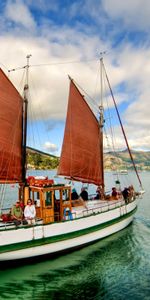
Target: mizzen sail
80,156
11,116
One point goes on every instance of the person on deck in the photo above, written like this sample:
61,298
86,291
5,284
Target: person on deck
98,193
21,204
74,195
131,192
125,194
30,212
114,193
17,213
84,194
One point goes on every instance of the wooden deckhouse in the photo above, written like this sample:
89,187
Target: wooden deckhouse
52,201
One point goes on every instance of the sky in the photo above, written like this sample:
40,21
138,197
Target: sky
67,37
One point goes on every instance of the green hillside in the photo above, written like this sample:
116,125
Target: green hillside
41,160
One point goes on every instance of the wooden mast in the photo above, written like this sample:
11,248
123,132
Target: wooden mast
101,124
122,128
26,89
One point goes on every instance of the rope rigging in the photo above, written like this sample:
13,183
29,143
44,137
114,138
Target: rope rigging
51,64
92,102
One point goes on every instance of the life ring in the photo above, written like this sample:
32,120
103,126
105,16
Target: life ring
68,213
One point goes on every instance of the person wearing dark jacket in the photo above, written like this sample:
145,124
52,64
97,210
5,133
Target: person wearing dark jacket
74,195
84,194
125,194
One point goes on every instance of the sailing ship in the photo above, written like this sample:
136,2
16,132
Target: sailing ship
62,224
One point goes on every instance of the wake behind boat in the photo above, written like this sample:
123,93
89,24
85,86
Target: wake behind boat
61,223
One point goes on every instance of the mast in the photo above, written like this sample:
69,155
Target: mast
123,129
26,91
101,123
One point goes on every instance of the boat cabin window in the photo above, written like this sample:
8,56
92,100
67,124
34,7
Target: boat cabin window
48,198
65,195
57,195
35,197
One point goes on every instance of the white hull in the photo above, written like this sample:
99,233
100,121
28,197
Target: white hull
90,229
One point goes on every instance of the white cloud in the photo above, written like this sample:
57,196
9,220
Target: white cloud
134,14
49,84
126,65
44,5
17,12
50,147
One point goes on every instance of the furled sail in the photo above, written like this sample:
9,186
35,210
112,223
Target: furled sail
80,156
11,116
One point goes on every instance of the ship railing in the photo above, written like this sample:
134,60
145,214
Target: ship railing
103,207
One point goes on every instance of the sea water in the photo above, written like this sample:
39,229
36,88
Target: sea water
115,268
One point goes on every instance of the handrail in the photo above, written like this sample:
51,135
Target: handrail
122,202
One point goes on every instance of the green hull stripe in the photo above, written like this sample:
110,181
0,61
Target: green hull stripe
62,237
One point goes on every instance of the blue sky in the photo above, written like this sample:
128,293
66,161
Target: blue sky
57,33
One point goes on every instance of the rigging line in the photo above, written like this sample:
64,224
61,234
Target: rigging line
64,63
15,69
122,128
30,128
78,88
93,101
112,136
9,163
13,142
112,132
110,149
40,109
4,66
21,83
35,96
3,196
53,64
34,128
96,84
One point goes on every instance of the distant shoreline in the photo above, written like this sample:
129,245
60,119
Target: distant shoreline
38,160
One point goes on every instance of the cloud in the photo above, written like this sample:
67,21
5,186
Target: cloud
49,92
133,14
44,5
49,85
18,13
127,65
50,147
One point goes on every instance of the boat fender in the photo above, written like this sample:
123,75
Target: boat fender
67,212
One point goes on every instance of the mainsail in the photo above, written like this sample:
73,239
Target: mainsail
11,120
81,151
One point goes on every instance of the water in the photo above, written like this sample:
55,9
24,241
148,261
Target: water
116,268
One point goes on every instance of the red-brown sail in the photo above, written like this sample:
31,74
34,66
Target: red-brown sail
80,157
11,111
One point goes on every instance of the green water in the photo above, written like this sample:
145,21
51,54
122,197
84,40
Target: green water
117,267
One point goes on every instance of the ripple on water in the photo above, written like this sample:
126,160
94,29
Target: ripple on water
116,268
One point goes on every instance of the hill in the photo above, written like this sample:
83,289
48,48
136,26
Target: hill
122,159
40,160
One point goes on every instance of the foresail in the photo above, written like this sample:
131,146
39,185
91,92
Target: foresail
11,111
80,157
